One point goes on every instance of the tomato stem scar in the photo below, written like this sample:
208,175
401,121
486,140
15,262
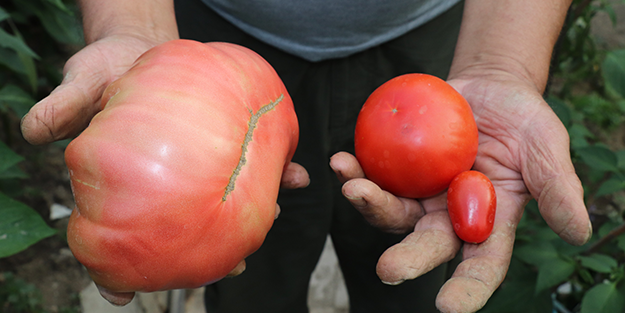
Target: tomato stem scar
251,124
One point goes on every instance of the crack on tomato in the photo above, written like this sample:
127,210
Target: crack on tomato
251,124
96,187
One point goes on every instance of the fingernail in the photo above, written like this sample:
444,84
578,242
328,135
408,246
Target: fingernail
393,283
589,231
356,201
277,212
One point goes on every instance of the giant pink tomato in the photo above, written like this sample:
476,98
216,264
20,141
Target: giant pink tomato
176,179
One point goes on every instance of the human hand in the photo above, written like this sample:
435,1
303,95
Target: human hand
524,150
71,106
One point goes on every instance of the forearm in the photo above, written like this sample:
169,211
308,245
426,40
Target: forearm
511,36
154,19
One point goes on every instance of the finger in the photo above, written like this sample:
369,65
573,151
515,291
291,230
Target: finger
484,265
116,298
294,176
550,177
432,243
381,208
346,167
68,109
277,212
240,268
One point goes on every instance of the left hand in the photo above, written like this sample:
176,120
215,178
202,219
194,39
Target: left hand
524,150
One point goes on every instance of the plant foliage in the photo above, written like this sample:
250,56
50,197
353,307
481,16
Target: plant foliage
33,34
546,274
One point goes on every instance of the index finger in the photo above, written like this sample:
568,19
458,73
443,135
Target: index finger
484,265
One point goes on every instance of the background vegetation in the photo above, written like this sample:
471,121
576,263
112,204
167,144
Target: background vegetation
36,37
587,91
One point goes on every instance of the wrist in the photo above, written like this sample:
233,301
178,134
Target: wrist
152,20
496,67
509,36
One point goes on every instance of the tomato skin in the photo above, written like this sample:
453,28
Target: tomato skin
472,203
150,173
414,134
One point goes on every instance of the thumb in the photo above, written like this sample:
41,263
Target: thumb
294,176
551,179
116,298
69,108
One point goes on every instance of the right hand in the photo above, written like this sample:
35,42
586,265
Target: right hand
71,106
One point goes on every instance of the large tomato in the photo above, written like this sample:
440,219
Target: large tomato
176,179
414,134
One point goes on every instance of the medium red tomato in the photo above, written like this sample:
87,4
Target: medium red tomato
472,203
414,134
176,179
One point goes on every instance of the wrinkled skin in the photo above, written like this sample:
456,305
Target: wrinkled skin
524,150
527,157
176,179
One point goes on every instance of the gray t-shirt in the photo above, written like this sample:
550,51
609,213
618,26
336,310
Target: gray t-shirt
325,29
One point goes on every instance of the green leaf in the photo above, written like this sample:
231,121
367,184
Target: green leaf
610,186
536,253
606,228
613,70
28,63
598,158
620,156
20,226
62,25
10,59
60,5
598,262
517,297
16,99
552,273
586,276
604,298
620,242
13,42
8,158
561,110
578,134
568,251
13,172
30,70
3,14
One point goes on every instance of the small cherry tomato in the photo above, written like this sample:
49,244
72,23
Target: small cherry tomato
472,203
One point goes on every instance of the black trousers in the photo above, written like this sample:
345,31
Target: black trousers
327,96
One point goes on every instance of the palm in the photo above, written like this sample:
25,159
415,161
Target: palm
524,149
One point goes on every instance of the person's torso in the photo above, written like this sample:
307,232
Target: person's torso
324,29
